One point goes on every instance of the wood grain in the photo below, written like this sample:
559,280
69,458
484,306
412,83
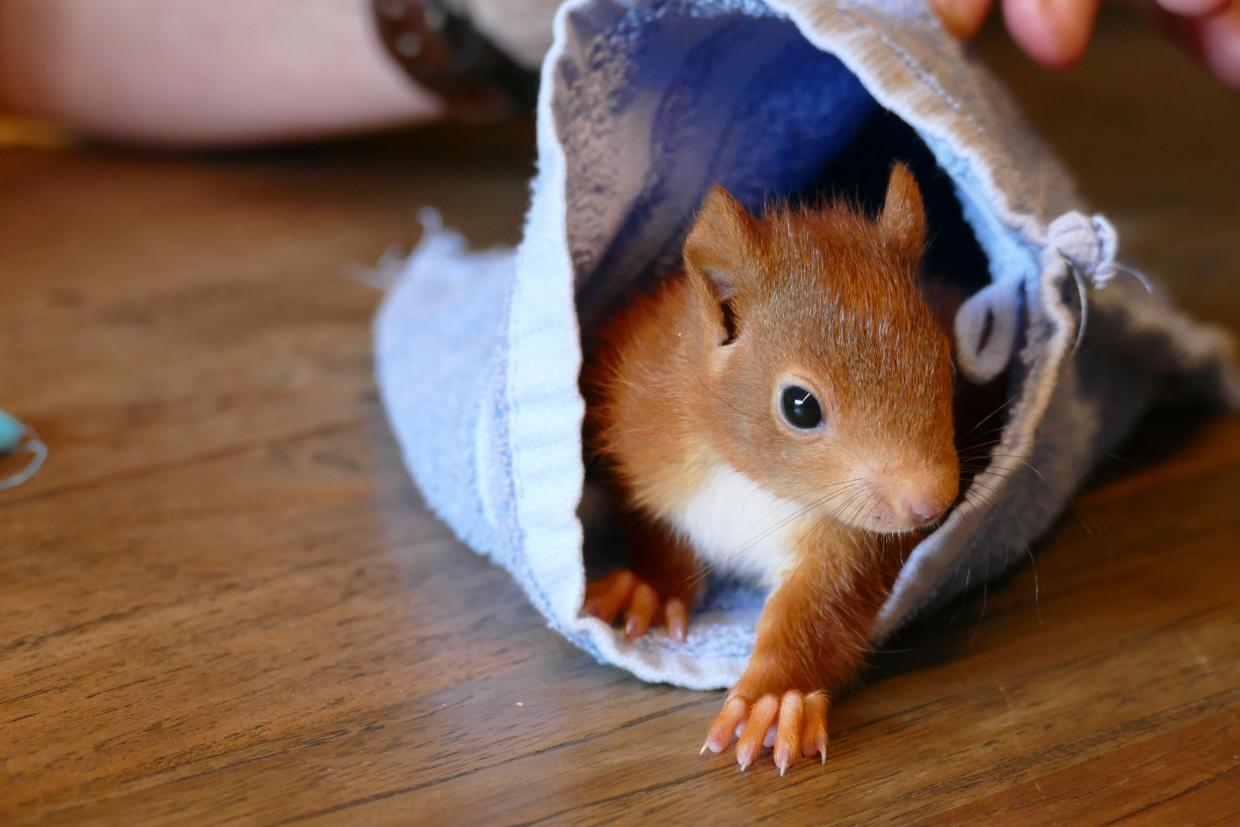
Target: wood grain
222,600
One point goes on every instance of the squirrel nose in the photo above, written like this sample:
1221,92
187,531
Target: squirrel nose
925,507
919,495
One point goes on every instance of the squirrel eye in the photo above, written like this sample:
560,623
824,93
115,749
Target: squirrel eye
800,408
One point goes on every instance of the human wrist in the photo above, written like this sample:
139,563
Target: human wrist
439,48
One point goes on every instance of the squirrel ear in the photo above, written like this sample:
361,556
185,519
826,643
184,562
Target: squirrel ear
718,249
903,220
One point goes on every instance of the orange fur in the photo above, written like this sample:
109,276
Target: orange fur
687,378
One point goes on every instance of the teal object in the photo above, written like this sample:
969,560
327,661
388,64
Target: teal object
15,436
11,433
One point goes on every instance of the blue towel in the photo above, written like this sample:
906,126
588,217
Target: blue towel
643,106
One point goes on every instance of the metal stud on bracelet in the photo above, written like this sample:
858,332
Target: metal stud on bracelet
443,52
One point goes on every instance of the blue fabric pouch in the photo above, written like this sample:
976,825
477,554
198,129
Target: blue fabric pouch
643,106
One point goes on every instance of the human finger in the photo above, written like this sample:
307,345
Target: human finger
1216,40
1052,32
1194,8
962,18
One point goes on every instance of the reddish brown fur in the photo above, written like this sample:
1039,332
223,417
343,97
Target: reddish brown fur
827,298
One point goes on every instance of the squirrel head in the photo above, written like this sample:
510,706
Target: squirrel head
829,379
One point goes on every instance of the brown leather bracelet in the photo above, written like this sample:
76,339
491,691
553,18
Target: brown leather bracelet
441,51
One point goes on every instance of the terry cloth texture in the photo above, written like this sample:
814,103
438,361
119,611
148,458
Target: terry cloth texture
645,105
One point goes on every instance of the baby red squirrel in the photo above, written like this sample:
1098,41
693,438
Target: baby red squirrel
782,410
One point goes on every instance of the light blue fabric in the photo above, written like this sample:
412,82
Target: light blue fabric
643,106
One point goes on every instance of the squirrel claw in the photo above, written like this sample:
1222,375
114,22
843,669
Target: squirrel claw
623,594
799,723
814,728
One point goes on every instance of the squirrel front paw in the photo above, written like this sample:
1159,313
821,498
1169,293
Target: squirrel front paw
792,724
623,594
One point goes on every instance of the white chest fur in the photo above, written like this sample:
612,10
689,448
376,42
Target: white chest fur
739,527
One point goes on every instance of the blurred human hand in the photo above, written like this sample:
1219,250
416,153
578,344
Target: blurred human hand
186,73
1055,32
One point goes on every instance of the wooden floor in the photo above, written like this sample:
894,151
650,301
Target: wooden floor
222,600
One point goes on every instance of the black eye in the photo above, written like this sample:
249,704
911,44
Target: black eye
800,408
